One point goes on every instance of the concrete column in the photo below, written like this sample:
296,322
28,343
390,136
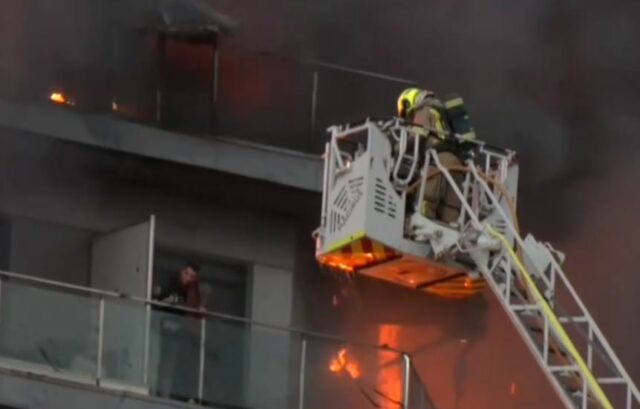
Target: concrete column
270,350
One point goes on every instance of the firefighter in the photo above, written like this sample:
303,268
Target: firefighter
422,108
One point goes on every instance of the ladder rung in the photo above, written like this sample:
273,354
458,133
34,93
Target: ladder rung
609,381
572,319
525,308
564,368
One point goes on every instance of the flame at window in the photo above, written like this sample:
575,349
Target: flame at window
342,363
389,380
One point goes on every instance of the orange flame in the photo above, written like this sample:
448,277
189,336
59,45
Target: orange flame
347,263
342,363
58,97
389,379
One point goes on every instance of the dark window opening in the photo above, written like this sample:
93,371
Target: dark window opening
186,83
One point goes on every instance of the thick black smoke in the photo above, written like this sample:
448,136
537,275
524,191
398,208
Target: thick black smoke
556,81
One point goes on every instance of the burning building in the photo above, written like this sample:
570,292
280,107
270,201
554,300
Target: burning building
144,135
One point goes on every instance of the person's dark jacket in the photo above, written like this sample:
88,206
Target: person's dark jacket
172,292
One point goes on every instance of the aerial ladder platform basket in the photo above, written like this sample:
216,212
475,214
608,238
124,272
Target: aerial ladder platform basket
370,218
373,222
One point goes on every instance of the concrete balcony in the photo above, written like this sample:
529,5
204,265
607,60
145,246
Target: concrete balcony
82,347
107,131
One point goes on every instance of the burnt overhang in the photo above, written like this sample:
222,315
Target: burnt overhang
188,20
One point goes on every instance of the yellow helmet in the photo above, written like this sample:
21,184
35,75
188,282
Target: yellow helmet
410,99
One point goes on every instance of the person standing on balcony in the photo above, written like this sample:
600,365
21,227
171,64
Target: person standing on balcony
179,336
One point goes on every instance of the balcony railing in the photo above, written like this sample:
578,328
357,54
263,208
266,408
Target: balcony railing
130,344
214,89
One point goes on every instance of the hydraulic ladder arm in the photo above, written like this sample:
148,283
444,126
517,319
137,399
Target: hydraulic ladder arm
372,224
507,275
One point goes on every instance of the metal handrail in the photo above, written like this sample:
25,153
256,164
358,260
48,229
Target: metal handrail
206,313
322,64
102,295
364,73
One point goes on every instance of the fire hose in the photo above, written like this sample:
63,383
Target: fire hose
554,321
530,284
